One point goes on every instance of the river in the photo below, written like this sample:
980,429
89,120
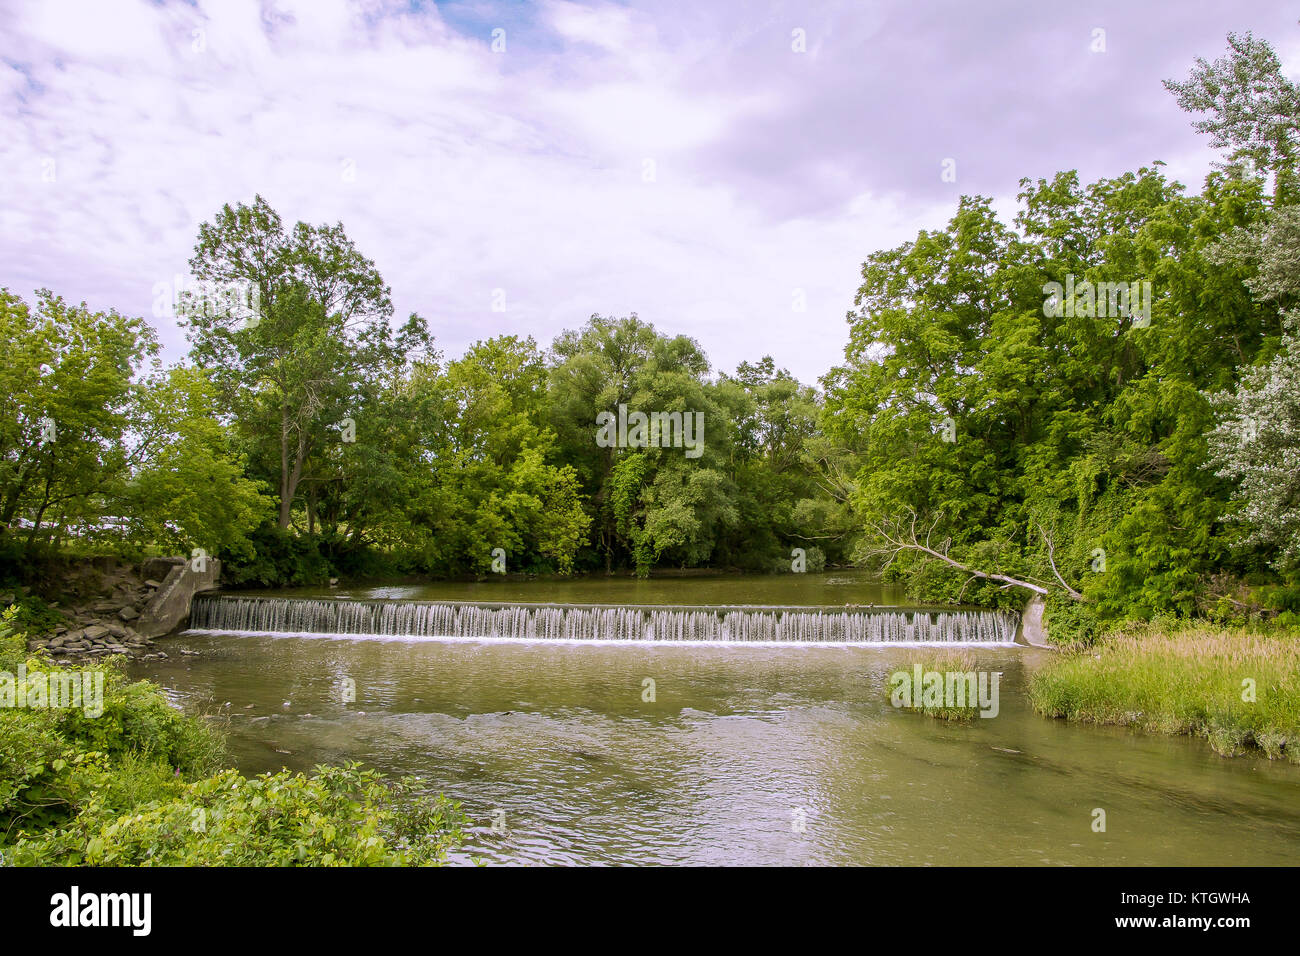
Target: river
757,754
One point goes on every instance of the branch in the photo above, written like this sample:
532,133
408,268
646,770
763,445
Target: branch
1051,559
898,543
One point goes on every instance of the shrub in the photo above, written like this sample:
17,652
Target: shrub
1070,622
337,816
138,784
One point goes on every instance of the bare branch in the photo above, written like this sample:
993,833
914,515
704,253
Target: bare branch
1051,559
896,543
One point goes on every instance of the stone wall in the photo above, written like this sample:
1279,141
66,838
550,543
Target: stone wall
169,607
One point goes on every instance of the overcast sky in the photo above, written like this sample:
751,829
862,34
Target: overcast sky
681,160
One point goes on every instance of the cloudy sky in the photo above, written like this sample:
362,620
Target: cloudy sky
708,165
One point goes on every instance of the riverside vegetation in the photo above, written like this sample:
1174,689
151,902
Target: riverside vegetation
979,443
142,784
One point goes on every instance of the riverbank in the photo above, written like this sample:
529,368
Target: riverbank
87,609
1239,688
98,770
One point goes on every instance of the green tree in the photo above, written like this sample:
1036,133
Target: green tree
189,488
66,401
294,369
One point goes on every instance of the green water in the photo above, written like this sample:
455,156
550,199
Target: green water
747,755
846,587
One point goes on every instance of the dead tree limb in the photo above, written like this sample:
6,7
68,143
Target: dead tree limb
1051,559
897,542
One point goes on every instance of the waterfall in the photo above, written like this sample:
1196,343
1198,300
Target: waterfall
575,622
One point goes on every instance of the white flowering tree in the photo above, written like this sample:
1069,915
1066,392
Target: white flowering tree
1257,443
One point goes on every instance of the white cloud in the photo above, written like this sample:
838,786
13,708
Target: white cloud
473,170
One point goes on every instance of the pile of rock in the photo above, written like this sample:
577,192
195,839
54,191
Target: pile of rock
97,628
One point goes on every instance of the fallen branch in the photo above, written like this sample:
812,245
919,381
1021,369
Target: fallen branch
911,541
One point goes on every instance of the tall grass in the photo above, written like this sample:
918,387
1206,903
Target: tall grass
942,660
1195,680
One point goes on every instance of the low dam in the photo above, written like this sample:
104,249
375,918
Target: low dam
727,624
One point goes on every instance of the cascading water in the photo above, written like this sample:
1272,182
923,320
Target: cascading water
541,622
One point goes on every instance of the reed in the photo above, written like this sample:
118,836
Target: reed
1239,688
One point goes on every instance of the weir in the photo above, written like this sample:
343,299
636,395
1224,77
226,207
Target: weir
590,622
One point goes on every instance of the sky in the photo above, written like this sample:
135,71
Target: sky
721,169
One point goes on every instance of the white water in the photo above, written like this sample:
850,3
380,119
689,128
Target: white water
539,622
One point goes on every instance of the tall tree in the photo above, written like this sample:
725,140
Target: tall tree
293,371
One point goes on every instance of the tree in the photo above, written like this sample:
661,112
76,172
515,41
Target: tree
1047,445
1253,108
98,441
487,469
293,371
1257,443
66,398
189,489
612,362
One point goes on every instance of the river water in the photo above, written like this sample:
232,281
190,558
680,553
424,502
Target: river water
746,755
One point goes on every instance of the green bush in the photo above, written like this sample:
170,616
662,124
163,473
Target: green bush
53,759
140,784
1070,622
279,558
337,816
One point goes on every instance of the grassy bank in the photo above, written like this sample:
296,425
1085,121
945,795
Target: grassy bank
1239,688
125,779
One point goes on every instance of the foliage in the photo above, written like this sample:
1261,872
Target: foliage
97,445
1070,622
337,816
309,350
1067,438
139,785
1238,688
52,760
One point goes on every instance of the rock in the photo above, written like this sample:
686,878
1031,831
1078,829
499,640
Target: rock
118,649
151,583
95,632
104,607
60,629
58,641
117,630
128,614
